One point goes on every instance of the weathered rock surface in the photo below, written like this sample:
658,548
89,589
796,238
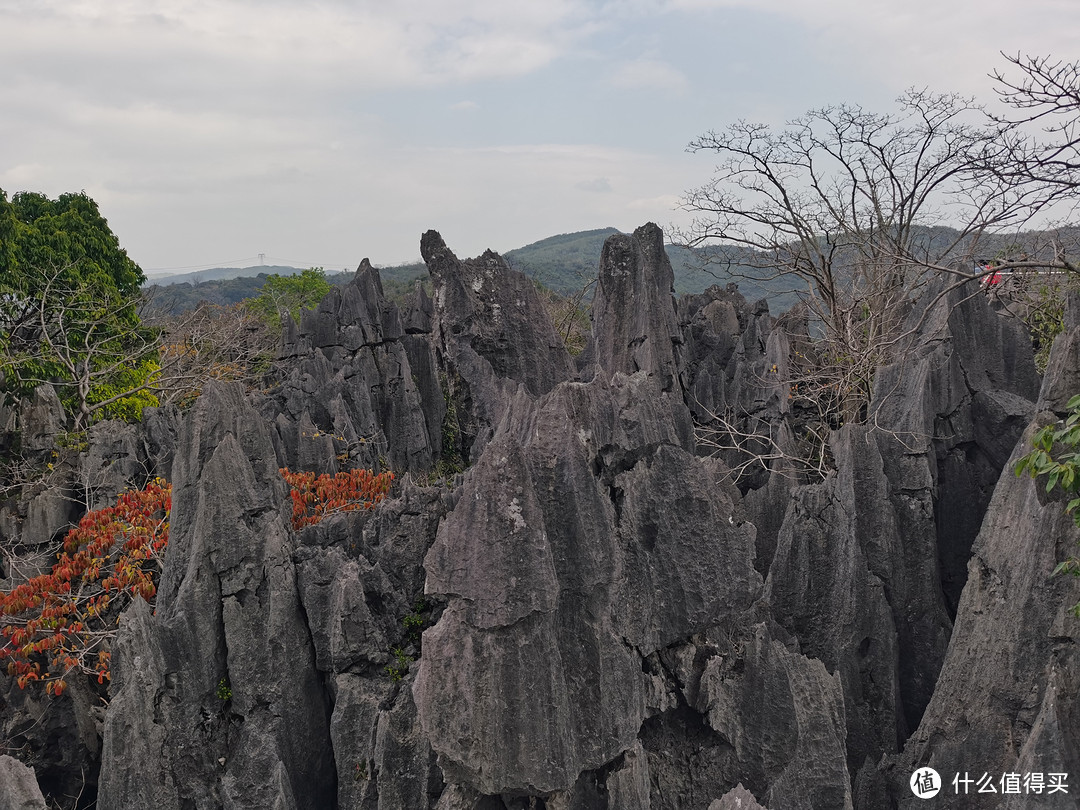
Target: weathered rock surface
361,390
634,320
827,586
784,716
18,787
218,701
511,561
738,798
493,335
485,306
1006,696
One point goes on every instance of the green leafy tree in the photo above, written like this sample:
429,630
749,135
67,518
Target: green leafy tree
68,308
282,295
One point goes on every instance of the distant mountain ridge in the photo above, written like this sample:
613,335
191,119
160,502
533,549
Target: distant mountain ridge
221,274
564,263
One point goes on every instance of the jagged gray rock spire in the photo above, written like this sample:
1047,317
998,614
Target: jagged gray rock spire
217,700
1006,698
558,564
586,545
863,560
362,384
484,306
634,323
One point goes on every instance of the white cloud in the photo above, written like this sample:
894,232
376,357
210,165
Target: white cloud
322,130
665,202
372,45
948,46
649,74
597,184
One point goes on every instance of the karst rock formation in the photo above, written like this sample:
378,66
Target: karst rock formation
612,616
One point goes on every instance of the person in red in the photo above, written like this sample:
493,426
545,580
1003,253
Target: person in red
992,279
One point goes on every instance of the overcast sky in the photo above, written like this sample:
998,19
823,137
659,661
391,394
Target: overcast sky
318,133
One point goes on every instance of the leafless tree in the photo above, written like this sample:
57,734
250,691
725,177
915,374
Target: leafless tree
1043,93
210,342
569,314
850,206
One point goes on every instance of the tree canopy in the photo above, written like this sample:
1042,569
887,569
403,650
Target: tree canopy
68,306
289,294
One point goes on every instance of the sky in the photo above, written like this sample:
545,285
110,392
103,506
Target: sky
321,133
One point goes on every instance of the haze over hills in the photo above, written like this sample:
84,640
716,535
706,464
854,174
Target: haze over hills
567,262
563,263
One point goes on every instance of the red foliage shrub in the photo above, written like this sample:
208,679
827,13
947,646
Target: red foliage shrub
316,497
61,623
65,619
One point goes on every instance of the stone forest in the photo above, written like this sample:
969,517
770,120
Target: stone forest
441,562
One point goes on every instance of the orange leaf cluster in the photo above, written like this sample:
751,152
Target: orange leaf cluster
64,619
316,497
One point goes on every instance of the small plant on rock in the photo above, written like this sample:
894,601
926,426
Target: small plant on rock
1060,470
414,622
224,691
400,667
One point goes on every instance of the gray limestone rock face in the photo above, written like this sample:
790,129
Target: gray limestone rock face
360,391
634,322
738,798
628,783
345,603
41,420
405,765
783,714
829,587
35,515
678,531
232,691
1005,699
360,575
135,742
49,516
18,787
495,311
113,463
948,412
952,407
493,336
561,566
735,371
712,324
58,738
